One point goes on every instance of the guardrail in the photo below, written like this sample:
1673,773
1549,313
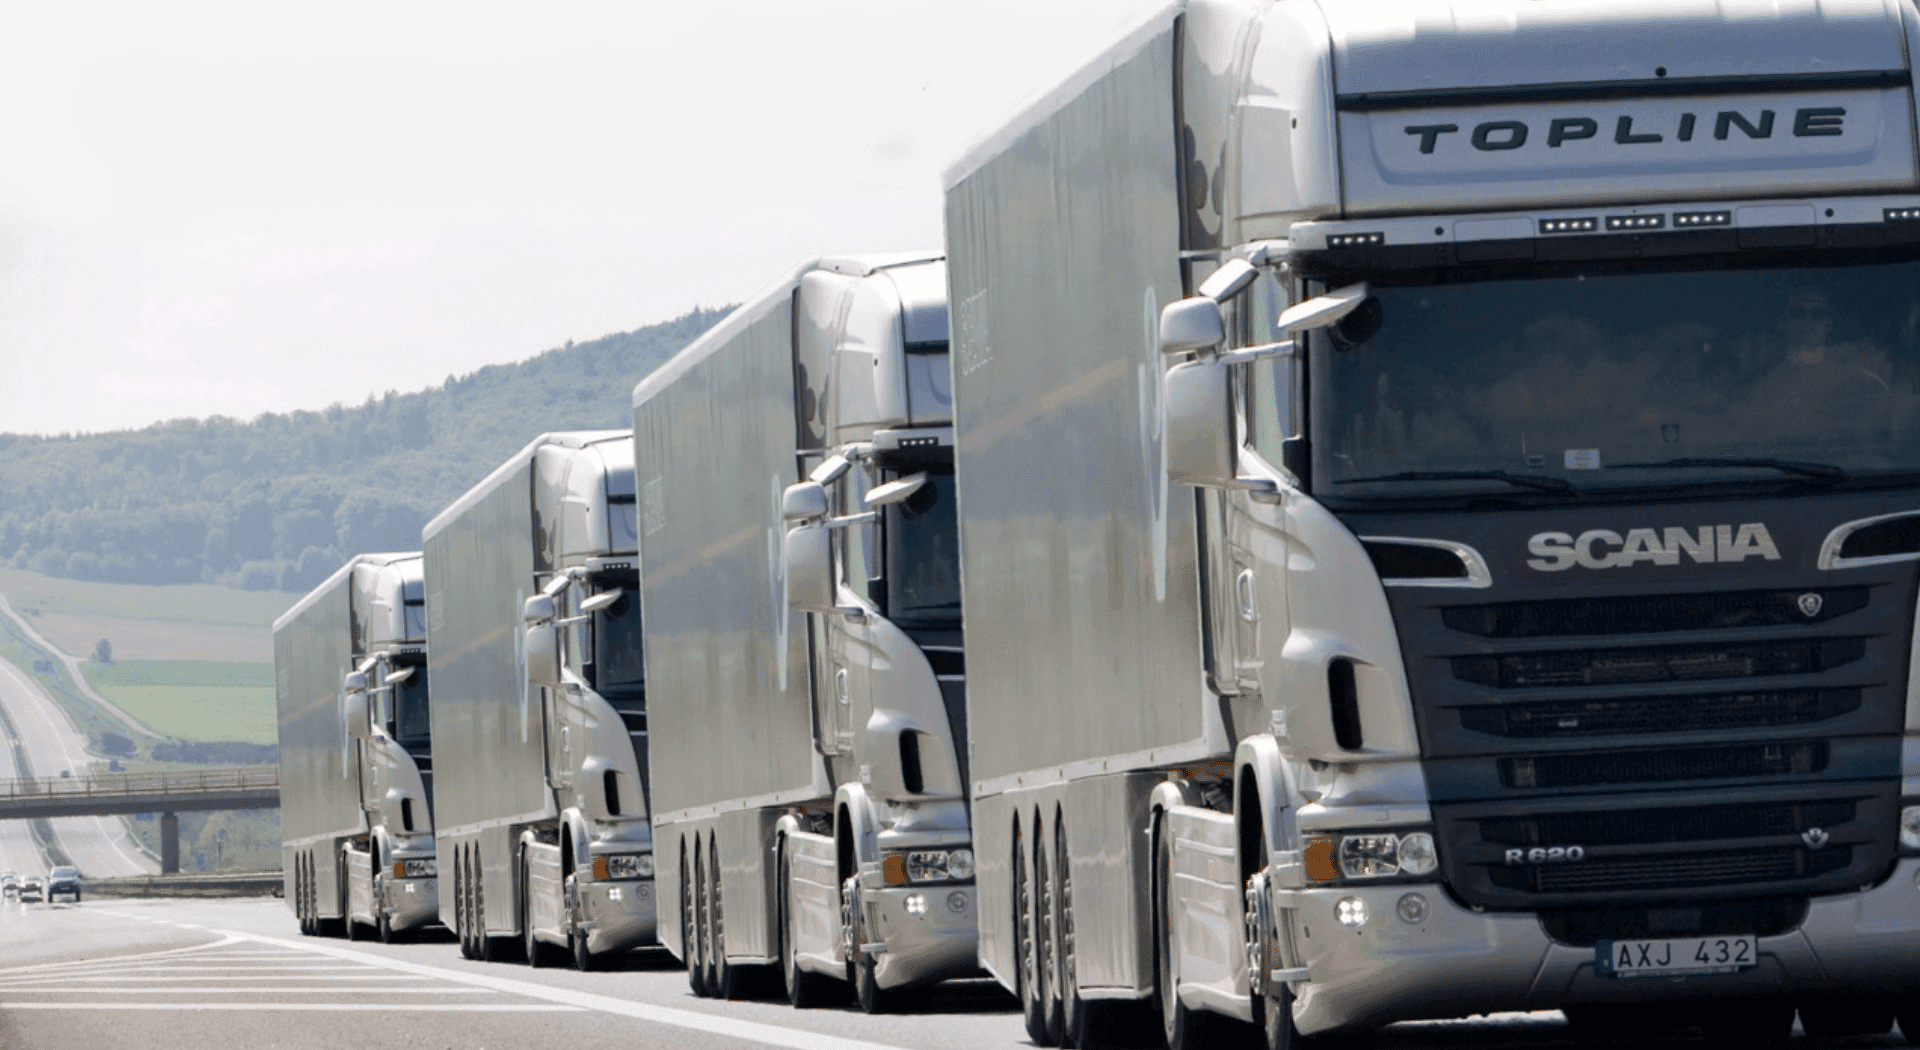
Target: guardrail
117,785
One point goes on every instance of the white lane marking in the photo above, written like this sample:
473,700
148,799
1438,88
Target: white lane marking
119,959
752,1031
130,976
466,1008
410,989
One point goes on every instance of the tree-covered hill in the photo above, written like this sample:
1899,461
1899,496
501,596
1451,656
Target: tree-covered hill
281,501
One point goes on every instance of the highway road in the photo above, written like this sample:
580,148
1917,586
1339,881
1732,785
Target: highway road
99,846
161,975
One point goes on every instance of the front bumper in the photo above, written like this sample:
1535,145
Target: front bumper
617,915
68,890
410,902
942,941
1457,962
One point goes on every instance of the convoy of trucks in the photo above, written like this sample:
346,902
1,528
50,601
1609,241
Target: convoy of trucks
356,765
1433,492
540,705
807,684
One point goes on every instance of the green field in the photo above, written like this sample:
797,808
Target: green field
198,602
193,699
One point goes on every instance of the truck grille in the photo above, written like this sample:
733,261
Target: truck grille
1673,663
1636,767
1689,712
1725,868
1707,745
1651,614
1743,820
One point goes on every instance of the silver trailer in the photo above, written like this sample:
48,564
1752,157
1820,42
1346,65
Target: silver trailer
1509,589
356,766
539,705
807,686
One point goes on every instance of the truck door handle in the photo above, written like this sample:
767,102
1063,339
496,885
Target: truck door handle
840,685
1243,587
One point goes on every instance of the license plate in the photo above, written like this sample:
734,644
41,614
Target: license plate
1684,957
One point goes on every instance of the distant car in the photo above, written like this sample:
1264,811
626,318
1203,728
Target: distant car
9,885
63,881
30,892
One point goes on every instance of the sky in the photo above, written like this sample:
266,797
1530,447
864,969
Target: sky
212,208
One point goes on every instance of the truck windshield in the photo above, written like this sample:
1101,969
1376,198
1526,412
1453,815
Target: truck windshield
923,556
1551,383
412,727
618,664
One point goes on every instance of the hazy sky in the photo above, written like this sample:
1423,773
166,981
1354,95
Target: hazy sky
231,208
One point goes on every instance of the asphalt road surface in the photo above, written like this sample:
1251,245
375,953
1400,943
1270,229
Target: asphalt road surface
98,846
168,975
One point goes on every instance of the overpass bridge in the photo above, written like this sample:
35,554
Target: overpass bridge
167,794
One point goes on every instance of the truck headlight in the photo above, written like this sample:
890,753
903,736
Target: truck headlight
416,869
1910,828
928,865
623,866
1367,855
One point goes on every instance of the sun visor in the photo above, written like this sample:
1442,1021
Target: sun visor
1412,46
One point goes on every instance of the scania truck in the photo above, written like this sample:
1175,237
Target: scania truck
1441,517
801,586
539,705
356,763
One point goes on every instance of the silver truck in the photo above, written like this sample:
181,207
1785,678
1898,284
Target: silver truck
540,706
807,683
1439,519
356,767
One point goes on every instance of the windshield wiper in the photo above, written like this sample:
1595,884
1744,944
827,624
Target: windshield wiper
1810,470
1525,481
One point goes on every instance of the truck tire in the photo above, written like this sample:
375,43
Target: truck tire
1047,911
1032,990
535,951
463,924
384,929
726,980
691,926
583,958
805,990
867,993
1090,1024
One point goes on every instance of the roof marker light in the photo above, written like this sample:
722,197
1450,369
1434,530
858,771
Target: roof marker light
1587,224
1696,219
1356,240
1902,214
1636,222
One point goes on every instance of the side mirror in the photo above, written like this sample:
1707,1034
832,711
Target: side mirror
1323,310
809,558
397,677
355,682
1199,441
538,609
602,600
829,470
802,501
543,655
1191,324
359,716
895,491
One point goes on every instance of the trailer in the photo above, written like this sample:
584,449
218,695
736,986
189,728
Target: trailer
1439,519
356,763
540,705
808,690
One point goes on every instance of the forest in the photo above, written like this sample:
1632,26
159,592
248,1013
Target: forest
282,500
